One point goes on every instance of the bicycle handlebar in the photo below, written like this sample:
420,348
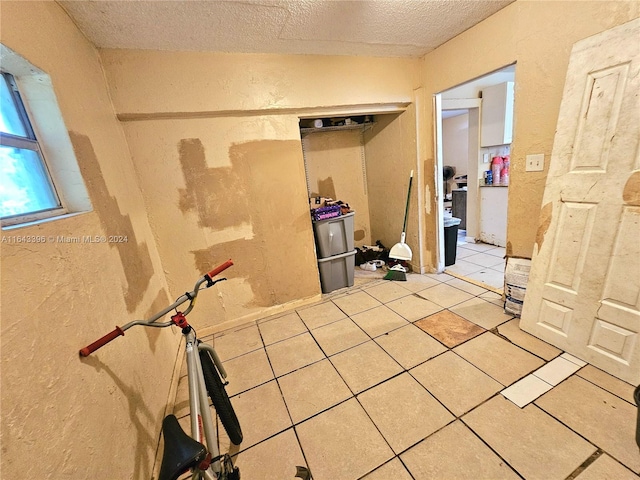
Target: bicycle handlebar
220,268
101,342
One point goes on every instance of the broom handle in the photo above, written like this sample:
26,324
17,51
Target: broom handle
406,210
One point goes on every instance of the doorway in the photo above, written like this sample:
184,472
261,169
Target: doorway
476,211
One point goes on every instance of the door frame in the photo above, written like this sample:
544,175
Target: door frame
440,104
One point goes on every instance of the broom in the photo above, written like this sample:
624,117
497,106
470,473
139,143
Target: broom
401,251
397,273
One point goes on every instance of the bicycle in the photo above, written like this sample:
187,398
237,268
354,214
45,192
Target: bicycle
206,376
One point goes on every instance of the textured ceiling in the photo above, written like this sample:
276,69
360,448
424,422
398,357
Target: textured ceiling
395,28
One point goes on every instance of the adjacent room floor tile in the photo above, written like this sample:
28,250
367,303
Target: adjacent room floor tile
234,343
455,382
356,302
455,453
247,371
482,313
480,247
387,291
379,321
363,366
391,470
445,295
293,353
610,383
403,398
312,389
281,328
485,260
512,331
498,358
500,267
261,412
260,462
339,336
320,314
526,390
489,276
410,346
342,443
535,444
597,415
449,328
606,468
413,307
556,371
463,252
462,267
498,252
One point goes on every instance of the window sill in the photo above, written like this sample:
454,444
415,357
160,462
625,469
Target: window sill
41,220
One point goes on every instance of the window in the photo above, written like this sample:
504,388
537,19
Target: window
26,190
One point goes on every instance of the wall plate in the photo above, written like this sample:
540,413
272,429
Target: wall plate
535,162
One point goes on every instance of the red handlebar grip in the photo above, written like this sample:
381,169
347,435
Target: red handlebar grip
220,268
101,342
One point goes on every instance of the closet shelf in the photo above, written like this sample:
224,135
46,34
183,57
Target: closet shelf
353,126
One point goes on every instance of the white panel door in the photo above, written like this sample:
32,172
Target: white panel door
583,294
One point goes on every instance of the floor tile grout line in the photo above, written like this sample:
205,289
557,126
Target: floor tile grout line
546,412
603,388
363,477
484,442
448,349
460,417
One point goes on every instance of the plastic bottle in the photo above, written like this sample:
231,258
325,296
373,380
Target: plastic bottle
504,174
496,169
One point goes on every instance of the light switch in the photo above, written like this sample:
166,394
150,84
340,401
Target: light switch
485,158
535,163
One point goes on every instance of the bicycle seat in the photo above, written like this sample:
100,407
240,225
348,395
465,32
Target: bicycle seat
181,452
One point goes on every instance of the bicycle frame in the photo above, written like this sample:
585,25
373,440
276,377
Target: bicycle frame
201,419
202,423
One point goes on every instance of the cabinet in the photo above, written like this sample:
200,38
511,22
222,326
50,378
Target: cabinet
459,207
496,126
493,214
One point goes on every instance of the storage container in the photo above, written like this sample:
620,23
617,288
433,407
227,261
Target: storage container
322,213
334,235
337,271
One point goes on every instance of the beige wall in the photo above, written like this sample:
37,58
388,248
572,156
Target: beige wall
61,415
391,155
217,149
539,36
335,169
455,144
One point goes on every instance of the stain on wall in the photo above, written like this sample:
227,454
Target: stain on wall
546,215
326,188
631,191
134,256
264,176
207,189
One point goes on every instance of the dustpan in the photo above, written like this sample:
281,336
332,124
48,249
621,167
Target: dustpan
401,251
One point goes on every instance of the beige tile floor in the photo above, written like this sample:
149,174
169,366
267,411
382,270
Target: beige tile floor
479,262
354,389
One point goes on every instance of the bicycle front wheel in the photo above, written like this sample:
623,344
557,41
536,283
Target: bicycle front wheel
220,399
